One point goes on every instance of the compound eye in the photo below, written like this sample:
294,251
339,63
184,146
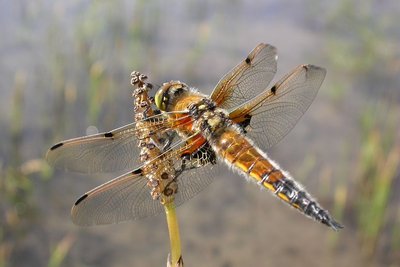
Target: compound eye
167,93
161,99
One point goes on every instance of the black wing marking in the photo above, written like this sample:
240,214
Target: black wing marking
247,79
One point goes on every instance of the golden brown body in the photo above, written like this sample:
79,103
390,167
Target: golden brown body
230,144
241,153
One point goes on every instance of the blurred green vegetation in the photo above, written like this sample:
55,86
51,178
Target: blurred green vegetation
362,52
376,176
15,187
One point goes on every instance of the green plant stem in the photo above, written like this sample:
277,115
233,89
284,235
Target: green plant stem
173,230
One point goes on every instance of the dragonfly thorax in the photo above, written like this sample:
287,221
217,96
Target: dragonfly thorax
205,105
209,119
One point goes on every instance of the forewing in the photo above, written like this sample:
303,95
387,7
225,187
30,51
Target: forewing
274,113
105,152
247,79
127,197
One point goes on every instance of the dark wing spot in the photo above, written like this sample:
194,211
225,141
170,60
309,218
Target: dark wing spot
248,60
273,90
56,146
108,134
81,199
164,176
246,122
137,171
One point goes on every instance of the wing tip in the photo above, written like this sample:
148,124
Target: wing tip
262,46
81,199
314,70
49,155
76,210
313,67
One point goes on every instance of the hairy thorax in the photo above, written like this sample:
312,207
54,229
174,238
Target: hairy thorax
208,119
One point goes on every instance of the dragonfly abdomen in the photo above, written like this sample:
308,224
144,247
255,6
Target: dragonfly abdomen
243,155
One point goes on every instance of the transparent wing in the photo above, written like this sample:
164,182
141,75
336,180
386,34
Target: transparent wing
120,199
272,114
106,152
127,197
249,78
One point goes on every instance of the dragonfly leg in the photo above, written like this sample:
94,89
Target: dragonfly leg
168,140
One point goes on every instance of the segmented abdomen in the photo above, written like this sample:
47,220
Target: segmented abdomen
252,162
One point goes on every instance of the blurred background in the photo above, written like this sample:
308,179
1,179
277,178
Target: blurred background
65,66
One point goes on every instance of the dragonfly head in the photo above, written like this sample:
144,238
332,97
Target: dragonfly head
168,93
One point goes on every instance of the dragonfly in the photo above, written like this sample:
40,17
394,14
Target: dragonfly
233,126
